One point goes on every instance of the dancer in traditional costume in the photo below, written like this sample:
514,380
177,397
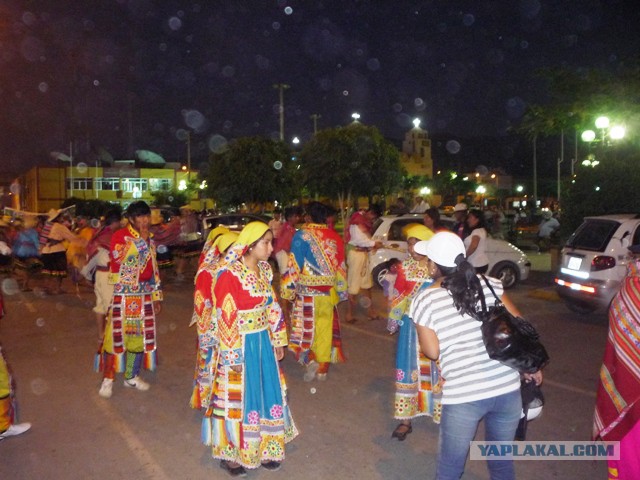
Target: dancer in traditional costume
617,416
130,334
8,425
316,282
417,391
247,421
204,317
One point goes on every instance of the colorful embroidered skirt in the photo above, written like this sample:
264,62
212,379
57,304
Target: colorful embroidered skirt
131,327
55,264
417,389
248,420
315,330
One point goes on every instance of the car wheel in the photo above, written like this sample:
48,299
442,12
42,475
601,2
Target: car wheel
379,272
580,307
507,273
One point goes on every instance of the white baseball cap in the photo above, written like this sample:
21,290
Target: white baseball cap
443,248
460,207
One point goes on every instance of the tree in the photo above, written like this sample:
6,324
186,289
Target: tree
173,197
355,160
252,170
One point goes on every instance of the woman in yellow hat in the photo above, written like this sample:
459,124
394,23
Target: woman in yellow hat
247,421
416,375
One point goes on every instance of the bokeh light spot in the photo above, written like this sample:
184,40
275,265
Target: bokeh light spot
453,146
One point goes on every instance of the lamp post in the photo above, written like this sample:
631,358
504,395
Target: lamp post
315,118
608,132
281,87
356,117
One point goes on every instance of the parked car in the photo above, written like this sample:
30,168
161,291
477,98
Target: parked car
233,221
594,261
506,262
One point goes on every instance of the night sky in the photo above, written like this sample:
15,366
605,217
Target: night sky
94,71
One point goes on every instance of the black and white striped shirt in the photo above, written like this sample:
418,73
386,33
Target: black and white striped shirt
468,371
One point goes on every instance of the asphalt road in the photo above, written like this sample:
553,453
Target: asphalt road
345,422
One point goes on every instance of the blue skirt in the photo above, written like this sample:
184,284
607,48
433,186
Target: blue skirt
417,377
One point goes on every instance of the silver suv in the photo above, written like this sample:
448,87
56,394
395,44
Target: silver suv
594,261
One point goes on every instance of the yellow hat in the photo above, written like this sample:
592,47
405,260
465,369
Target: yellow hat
251,232
224,241
216,232
416,230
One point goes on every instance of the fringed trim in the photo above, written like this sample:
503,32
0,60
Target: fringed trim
206,431
150,360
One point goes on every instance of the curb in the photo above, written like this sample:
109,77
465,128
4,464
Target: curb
545,294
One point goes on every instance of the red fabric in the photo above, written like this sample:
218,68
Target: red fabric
120,244
618,395
358,218
284,239
102,239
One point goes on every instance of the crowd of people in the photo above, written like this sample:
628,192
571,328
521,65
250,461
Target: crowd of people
244,324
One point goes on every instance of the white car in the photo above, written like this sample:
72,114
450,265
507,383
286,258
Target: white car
594,261
506,261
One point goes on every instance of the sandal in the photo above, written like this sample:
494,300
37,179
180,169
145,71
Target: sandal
238,471
402,431
271,465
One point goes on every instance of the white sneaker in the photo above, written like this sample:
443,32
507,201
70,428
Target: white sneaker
106,389
311,370
15,429
137,383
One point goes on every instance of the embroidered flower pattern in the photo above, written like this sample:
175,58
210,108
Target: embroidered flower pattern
276,411
399,375
253,417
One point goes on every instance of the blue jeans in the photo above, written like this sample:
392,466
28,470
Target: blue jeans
458,428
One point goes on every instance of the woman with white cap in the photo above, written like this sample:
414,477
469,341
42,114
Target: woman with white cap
247,421
475,387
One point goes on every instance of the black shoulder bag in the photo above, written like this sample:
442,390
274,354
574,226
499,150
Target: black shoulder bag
509,339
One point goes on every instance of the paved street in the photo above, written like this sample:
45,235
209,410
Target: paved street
345,423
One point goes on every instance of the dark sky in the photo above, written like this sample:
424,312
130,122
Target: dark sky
90,70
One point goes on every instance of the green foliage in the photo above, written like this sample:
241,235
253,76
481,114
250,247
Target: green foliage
354,160
246,172
618,180
173,197
90,208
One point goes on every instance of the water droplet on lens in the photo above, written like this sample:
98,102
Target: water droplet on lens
39,386
453,146
82,167
10,286
312,390
40,322
277,164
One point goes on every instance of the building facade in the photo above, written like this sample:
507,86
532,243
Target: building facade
416,153
44,188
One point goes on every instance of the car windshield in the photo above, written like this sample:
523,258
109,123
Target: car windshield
593,235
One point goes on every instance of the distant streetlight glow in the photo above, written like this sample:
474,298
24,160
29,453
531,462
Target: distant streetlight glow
519,188
295,140
602,122
355,116
425,191
182,185
481,190
617,132
416,122
588,136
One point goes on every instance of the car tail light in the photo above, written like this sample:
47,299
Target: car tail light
602,262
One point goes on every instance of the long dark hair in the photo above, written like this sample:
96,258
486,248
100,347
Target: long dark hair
480,216
463,285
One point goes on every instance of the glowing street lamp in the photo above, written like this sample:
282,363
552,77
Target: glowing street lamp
355,116
519,189
295,140
425,191
416,122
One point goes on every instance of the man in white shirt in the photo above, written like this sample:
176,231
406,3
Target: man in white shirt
421,205
360,243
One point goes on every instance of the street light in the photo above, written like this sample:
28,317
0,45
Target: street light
519,189
416,122
355,116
